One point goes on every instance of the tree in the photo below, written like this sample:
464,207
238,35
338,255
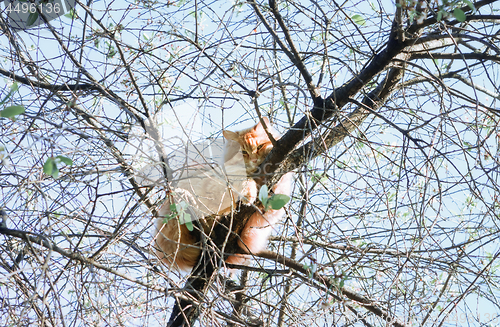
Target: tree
389,119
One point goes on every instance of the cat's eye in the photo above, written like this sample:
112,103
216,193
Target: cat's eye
260,147
244,152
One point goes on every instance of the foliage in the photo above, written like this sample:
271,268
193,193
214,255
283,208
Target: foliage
275,201
179,211
389,118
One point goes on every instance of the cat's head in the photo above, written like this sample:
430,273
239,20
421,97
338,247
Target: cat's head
254,143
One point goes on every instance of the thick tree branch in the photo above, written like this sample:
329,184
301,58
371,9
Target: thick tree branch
333,136
338,99
220,243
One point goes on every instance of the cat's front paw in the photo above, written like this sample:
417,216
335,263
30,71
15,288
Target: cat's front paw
249,192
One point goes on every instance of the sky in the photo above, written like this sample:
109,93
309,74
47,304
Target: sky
188,122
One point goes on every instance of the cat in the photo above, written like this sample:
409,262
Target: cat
206,194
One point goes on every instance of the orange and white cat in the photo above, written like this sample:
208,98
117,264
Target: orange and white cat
243,153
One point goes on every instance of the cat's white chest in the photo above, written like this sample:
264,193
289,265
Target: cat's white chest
212,190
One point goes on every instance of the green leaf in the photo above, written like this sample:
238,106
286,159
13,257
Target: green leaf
439,16
111,52
358,19
71,14
50,167
189,225
47,166
66,160
185,219
278,201
32,18
12,111
263,195
459,14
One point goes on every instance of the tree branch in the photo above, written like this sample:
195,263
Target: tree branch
32,238
50,87
329,285
466,56
322,143
292,54
338,99
216,247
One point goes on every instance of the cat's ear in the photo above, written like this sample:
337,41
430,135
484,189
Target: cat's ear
228,135
260,126
266,121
